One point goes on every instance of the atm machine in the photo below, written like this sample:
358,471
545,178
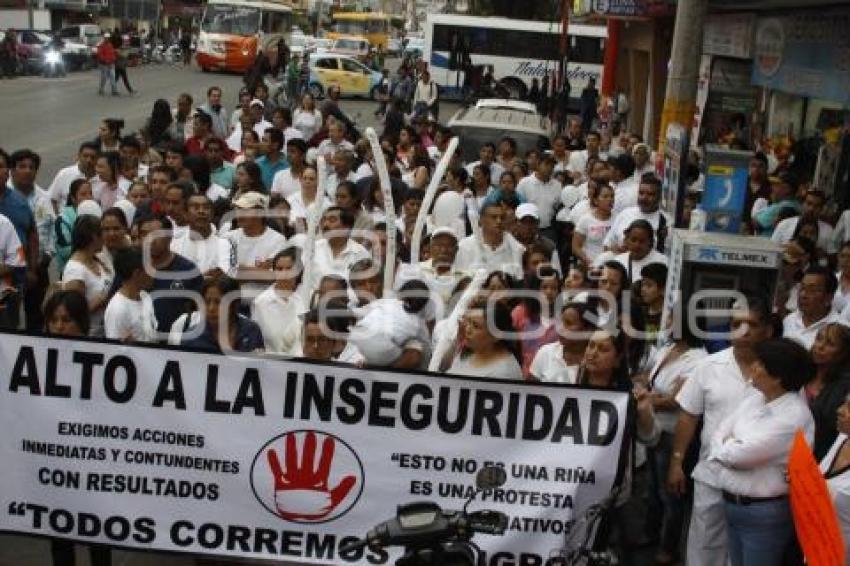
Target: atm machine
716,261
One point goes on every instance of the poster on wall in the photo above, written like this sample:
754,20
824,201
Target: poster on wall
807,54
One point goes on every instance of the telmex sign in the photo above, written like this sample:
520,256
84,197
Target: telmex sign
727,256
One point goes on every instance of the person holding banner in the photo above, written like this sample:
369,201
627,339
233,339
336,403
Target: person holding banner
85,273
482,354
751,448
66,313
219,334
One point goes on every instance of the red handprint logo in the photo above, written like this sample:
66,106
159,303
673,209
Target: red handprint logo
305,490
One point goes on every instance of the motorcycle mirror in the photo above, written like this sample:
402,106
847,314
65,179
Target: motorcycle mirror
491,477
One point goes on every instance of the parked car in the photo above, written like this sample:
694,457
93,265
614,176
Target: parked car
353,77
31,50
87,34
353,47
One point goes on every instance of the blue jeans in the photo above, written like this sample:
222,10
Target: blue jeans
107,73
673,507
758,533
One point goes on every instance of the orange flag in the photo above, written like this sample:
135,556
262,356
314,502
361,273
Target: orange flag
811,505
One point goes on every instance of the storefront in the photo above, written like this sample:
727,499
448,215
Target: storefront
802,61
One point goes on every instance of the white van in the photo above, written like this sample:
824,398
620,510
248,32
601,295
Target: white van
88,34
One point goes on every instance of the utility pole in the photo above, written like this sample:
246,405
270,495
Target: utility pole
682,77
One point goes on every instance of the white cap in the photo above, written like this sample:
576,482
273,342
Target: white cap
251,199
89,208
527,209
257,102
444,231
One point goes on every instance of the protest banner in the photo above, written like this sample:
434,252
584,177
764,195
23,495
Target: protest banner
170,450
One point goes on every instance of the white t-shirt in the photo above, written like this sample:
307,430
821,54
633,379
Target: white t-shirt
12,251
664,379
625,194
210,253
252,250
546,196
107,196
324,262
549,365
285,184
496,171
308,123
126,319
278,319
634,266
474,254
625,218
61,185
297,208
505,367
594,232
96,285
217,192
784,232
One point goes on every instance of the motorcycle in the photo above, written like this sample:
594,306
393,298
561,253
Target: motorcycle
52,64
433,536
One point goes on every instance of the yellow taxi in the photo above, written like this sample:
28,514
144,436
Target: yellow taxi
353,77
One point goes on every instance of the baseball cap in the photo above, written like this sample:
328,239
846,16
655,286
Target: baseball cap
444,231
89,208
527,209
257,102
251,199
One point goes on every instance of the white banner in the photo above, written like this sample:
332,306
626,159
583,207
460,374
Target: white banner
163,449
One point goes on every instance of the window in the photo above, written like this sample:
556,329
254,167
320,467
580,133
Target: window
276,22
231,20
327,64
351,66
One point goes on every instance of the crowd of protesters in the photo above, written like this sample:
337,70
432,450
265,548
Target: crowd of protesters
275,216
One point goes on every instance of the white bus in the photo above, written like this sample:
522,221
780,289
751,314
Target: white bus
517,50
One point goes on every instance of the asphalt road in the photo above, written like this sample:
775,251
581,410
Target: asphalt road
53,116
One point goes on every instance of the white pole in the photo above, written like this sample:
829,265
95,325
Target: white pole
389,208
430,193
313,217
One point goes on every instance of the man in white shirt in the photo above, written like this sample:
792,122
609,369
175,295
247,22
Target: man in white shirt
649,199
810,211
336,141
493,249
336,252
213,255
577,167
487,156
622,168
814,307
255,243
544,191
714,390
244,107
439,273
342,161
129,316
82,169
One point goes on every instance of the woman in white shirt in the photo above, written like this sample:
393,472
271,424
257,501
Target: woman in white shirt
85,273
307,118
277,309
304,201
835,467
559,362
114,230
749,452
481,354
671,365
593,226
107,188
640,239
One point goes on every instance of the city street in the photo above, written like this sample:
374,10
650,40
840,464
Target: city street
53,116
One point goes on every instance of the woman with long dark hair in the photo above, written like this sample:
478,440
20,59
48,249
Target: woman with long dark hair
159,122
224,329
831,384
85,273
534,317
